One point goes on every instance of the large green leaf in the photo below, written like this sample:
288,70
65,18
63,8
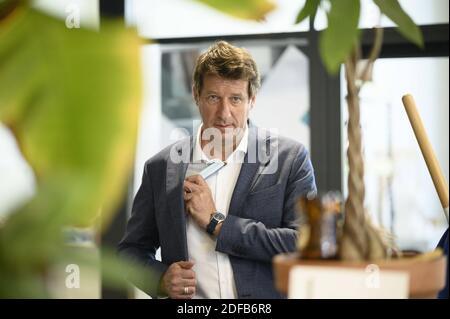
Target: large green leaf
308,10
247,9
406,26
338,39
71,97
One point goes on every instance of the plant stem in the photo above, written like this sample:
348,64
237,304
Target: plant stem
354,241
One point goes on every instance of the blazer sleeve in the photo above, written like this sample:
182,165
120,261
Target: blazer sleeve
141,238
251,239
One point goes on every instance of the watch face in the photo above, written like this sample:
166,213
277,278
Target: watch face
219,217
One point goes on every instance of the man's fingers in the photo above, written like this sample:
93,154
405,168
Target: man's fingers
196,179
186,292
179,280
187,274
186,264
184,289
187,196
187,189
191,187
189,282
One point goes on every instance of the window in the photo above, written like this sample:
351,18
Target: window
400,194
188,18
422,12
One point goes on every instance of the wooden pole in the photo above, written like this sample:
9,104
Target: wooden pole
427,151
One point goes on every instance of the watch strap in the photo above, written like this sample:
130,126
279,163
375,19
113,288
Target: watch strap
211,226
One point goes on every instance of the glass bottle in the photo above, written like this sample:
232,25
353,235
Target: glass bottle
320,226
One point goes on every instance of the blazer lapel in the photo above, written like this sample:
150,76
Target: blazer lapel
249,170
174,190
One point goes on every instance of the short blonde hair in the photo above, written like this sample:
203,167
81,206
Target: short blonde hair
229,62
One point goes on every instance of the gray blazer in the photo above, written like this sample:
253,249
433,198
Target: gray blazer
261,220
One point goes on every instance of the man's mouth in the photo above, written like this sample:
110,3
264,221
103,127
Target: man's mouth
224,125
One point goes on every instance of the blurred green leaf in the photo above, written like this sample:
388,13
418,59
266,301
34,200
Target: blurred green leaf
248,9
27,285
406,26
116,273
119,273
71,97
338,39
308,10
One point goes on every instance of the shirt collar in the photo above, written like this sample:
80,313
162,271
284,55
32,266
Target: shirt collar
238,154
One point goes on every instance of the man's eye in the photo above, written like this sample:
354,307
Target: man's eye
236,99
213,98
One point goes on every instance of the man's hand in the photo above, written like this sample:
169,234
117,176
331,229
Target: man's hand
179,282
198,200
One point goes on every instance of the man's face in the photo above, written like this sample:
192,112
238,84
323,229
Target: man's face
224,104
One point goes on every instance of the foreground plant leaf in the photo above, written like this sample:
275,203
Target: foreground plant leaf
337,41
247,9
309,10
71,97
406,26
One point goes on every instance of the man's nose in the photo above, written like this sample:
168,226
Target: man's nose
224,110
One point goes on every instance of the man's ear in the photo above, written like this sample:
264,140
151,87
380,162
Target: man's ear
194,95
252,102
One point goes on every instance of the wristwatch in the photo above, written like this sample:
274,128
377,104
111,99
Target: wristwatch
216,219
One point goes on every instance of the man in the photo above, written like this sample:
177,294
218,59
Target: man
218,236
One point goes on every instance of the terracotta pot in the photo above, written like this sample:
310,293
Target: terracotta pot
427,272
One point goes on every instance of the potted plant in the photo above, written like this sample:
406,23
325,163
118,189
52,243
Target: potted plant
361,243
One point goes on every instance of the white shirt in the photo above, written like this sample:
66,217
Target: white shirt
213,269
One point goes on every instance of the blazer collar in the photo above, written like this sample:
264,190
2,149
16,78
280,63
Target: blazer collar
250,170
179,157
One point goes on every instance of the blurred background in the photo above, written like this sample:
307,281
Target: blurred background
298,98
